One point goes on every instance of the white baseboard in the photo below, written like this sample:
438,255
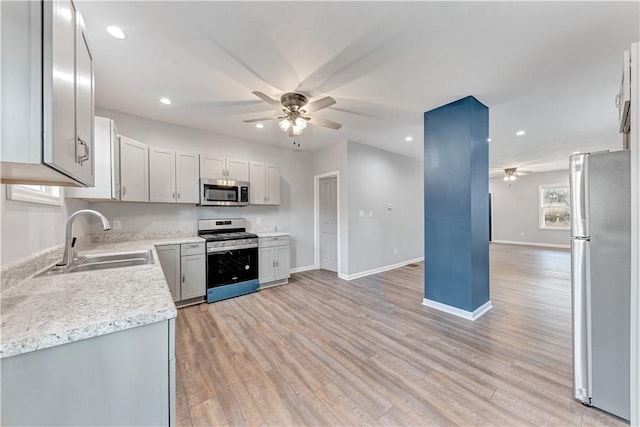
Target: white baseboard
469,315
378,270
301,269
543,245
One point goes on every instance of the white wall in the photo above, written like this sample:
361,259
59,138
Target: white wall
28,228
294,215
515,209
378,178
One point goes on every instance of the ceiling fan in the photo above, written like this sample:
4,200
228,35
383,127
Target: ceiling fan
296,108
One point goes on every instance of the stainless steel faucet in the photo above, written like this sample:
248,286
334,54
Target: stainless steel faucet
68,256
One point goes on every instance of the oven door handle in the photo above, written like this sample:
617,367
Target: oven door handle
231,248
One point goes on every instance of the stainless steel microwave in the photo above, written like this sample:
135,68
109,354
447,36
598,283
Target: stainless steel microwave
222,192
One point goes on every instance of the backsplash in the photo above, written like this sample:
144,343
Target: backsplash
18,271
111,237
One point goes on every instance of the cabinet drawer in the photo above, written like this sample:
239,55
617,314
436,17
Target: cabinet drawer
192,249
266,242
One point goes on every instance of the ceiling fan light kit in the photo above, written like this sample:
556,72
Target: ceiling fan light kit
296,108
510,174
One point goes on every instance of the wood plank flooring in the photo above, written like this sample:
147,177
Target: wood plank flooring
323,351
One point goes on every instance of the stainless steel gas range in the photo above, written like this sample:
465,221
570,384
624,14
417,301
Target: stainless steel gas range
232,258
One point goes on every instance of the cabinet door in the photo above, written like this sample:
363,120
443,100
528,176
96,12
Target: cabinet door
162,175
169,257
134,170
84,105
266,265
187,177
283,261
257,184
193,276
105,147
211,167
237,170
59,87
273,185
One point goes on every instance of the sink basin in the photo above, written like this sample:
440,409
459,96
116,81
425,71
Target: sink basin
104,261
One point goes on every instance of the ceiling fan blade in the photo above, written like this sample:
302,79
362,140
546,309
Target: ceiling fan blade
324,122
267,99
261,119
319,104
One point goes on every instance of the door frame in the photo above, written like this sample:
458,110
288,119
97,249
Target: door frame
316,217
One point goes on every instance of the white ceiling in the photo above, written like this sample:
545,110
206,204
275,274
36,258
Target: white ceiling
550,68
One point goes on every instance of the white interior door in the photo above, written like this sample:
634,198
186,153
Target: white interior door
328,222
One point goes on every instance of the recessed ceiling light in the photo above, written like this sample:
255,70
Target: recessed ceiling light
259,125
116,32
165,101
409,138
520,133
488,139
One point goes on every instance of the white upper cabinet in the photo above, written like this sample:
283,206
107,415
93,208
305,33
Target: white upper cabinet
237,170
187,178
134,170
264,186
107,164
173,177
162,175
214,167
273,185
47,134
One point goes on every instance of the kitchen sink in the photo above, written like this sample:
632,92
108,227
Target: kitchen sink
104,261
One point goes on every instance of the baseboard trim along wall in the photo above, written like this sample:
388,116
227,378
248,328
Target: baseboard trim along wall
379,269
469,315
301,269
543,245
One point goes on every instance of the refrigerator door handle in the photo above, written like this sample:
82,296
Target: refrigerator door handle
578,165
581,319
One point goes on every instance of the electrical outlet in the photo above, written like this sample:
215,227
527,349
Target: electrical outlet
370,213
117,224
258,221
390,207
522,233
395,251
361,214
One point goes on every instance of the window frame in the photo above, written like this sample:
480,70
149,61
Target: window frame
24,193
541,207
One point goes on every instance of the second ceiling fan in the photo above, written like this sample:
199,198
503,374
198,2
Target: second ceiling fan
296,108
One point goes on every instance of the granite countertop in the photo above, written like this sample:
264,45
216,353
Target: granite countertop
42,312
272,234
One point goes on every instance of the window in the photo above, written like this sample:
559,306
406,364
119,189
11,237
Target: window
554,205
35,194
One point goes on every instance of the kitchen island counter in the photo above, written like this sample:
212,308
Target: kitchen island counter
46,311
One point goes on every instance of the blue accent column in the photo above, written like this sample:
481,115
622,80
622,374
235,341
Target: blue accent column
456,214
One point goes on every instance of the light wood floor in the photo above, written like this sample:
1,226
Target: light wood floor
323,351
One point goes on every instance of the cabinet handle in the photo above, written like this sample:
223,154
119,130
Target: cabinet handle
124,190
183,278
277,263
85,156
178,195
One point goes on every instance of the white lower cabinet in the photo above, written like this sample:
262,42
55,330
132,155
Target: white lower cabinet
274,261
184,268
121,378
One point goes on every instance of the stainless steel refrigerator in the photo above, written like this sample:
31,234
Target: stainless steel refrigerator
601,279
